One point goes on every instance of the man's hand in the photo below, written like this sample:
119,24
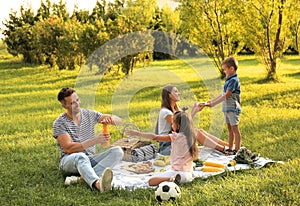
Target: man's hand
110,119
103,138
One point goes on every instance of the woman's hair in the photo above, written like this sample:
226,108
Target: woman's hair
65,92
165,98
185,124
230,62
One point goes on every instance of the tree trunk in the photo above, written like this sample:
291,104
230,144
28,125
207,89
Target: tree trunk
277,44
296,37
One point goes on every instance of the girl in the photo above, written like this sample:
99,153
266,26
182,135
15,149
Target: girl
184,149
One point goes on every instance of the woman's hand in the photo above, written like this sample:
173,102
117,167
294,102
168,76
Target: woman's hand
197,108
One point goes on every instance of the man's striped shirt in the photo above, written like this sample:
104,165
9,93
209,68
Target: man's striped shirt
78,133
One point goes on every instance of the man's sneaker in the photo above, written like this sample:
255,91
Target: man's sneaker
176,179
71,180
105,180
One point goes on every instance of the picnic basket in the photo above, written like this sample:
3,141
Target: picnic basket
135,149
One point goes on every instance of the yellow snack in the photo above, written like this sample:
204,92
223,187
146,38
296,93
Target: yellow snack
211,169
159,162
167,160
214,164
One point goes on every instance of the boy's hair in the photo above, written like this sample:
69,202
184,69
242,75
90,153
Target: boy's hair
65,92
184,121
231,62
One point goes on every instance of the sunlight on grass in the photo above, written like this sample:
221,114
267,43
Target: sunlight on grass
269,125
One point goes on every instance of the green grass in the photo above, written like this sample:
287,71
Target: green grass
269,125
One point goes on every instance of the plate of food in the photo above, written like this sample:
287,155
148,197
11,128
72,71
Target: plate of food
139,168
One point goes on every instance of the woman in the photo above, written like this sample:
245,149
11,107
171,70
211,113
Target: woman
169,98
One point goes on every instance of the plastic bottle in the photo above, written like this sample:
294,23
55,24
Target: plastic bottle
105,131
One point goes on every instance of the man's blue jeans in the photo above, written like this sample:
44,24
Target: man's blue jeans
91,167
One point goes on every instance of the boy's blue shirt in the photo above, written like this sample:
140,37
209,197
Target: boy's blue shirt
232,104
232,83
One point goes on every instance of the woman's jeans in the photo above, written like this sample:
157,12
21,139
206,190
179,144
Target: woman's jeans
91,167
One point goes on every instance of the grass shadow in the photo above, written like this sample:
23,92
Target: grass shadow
294,75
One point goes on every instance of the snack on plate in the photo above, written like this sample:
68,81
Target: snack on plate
140,168
162,161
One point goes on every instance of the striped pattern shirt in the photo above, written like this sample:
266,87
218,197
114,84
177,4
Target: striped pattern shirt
78,133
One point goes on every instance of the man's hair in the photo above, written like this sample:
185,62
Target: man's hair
65,92
230,62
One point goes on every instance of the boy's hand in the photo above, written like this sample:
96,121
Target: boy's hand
209,104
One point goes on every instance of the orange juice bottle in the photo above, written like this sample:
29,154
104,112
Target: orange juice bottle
105,131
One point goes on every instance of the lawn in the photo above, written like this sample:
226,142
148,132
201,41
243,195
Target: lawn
269,126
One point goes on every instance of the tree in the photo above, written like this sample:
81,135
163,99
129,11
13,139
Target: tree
212,25
59,9
265,23
167,21
294,25
18,34
121,20
44,11
98,11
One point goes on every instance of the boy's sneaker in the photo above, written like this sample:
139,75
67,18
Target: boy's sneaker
230,152
105,180
225,149
176,179
71,180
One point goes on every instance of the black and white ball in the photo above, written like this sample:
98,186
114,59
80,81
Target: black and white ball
167,191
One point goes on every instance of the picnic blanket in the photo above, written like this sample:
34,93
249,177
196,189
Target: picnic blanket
124,179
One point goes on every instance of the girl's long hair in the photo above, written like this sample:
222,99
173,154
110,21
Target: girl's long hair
185,124
165,98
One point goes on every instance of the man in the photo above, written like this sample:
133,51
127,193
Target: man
76,140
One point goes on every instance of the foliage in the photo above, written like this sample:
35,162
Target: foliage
213,26
29,157
220,28
18,34
294,25
268,30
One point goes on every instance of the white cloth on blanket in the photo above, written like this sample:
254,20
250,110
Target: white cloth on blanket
124,179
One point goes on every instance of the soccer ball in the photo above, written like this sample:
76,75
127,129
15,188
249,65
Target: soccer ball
167,191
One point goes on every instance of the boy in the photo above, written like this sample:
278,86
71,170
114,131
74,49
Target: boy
230,99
